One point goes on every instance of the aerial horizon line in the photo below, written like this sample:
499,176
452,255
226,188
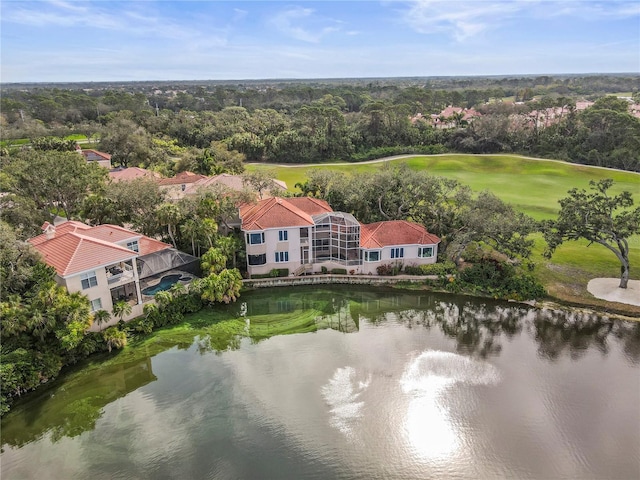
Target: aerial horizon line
302,79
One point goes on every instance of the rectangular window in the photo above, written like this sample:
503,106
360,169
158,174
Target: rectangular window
425,252
282,257
397,252
257,259
255,238
96,305
283,235
133,245
372,256
88,280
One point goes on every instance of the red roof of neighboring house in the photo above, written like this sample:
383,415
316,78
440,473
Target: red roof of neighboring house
131,173
233,182
279,212
95,155
182,177
73,247
395,232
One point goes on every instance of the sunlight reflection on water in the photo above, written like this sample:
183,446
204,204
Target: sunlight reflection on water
428,426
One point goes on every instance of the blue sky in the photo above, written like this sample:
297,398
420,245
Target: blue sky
66,40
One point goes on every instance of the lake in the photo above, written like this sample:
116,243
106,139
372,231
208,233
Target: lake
367,383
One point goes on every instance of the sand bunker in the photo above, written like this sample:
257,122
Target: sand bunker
607,289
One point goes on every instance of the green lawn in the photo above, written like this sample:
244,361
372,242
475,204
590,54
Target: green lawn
533,187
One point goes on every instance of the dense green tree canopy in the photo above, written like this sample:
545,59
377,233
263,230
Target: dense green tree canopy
52,181
599,218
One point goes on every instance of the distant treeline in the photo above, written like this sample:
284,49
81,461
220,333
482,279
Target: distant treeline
167,125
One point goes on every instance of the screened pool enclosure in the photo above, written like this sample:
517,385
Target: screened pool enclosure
336,237
165,260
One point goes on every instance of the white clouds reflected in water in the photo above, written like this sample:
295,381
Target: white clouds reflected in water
423,389
342,394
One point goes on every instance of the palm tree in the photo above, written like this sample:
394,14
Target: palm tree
169,215
178,289
100,317
190,229
213,261
163,298
121,308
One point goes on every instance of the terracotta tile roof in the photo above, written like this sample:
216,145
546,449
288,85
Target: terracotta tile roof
312,206
131,173
233,182
279,212
182,177
147,245
395,232
115,233
72,253
92,155
75,247
66,227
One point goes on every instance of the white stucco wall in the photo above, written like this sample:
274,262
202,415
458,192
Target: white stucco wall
410,258
271,245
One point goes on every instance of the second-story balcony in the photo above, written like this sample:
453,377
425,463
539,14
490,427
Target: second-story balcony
121,272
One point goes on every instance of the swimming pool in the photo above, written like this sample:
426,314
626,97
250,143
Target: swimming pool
165,283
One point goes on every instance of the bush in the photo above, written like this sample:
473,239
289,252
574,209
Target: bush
324,270
389,269
339,271
380,152
440,269
502,280
275,273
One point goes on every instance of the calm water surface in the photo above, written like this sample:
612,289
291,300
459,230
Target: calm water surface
387,384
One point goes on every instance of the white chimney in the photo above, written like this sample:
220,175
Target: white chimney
49,230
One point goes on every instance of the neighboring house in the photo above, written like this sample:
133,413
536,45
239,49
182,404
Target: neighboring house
122,174
176,186
583,105
232,182
101,158
108,263
452,117
304,234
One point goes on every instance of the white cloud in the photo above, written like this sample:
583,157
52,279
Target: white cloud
301,24
136,20
239,14
465,19
68,6
460,20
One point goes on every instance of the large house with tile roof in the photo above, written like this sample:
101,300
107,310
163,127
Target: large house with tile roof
231,182
304,234
176,186
108,263
188,183
128,174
